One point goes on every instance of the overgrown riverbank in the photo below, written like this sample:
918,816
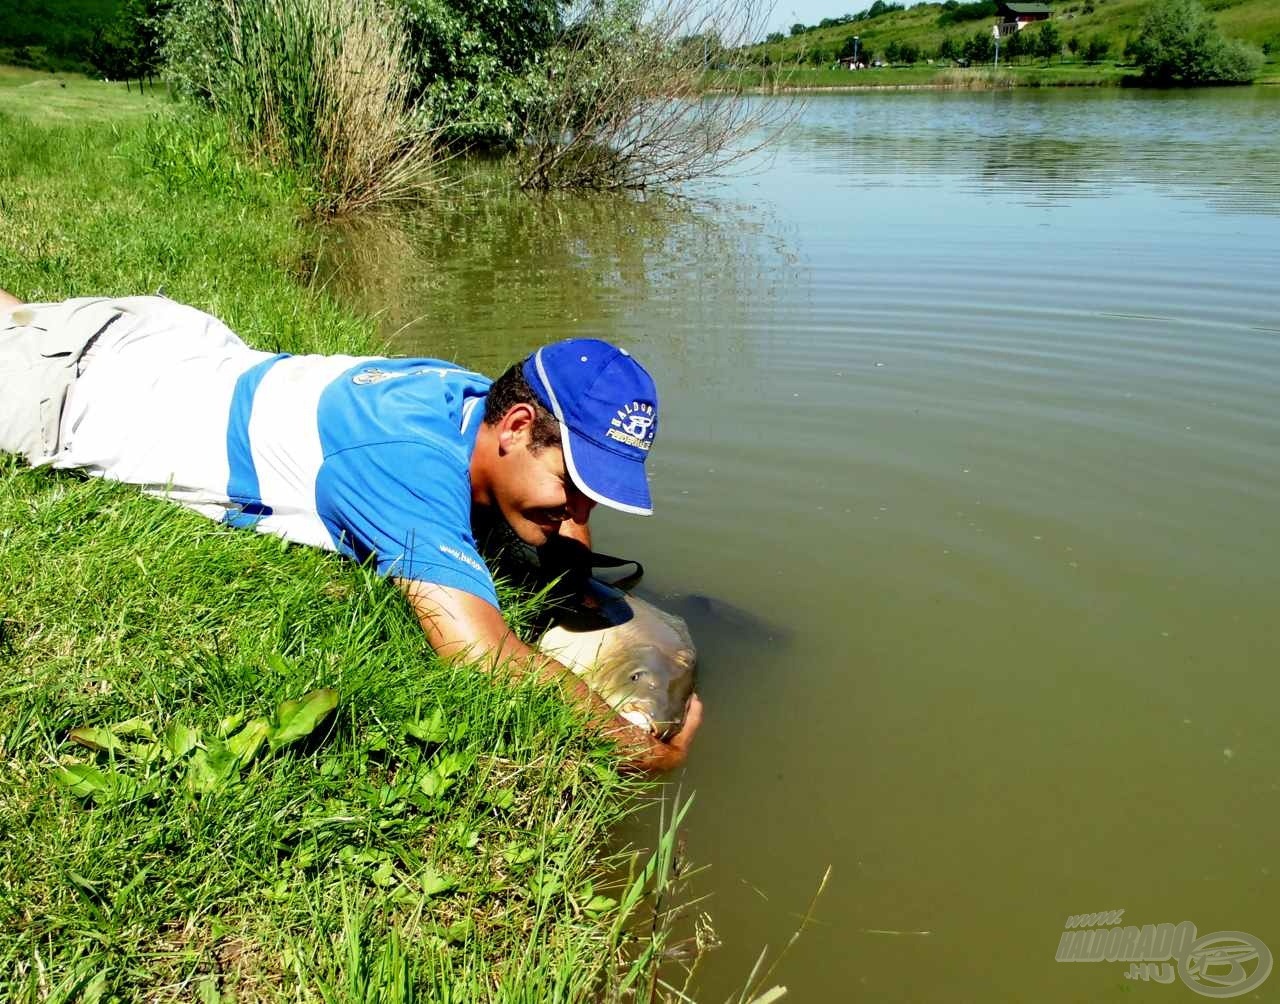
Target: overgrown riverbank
437,837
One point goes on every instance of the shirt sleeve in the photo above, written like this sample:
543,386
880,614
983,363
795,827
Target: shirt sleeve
407,506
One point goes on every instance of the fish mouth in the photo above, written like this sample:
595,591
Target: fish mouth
639,718
663,724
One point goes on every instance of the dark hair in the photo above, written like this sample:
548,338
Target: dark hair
511,389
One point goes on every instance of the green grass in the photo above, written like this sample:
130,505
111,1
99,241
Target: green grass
70,97
438,837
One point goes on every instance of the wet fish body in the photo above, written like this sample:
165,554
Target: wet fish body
639,658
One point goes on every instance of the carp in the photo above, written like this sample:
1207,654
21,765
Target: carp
638,658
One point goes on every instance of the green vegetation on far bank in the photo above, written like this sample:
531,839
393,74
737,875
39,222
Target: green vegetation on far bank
927,25
1086,41
925,76
439,836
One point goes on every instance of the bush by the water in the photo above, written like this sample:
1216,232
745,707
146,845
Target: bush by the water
618,99
1179,43
474,61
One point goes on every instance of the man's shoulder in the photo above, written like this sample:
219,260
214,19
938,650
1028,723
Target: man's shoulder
407,401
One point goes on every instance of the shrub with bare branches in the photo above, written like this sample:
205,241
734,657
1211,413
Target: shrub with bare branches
620,99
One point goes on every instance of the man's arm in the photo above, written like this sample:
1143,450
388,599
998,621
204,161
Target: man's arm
8,300
457,623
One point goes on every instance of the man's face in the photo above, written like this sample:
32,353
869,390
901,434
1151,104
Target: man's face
535,493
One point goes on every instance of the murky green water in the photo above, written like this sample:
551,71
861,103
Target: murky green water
971,408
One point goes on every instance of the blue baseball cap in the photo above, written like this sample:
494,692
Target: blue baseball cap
607,407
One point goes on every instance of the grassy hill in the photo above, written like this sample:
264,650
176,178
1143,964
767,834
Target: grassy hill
926,25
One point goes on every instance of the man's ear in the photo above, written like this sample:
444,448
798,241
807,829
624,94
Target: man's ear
515,428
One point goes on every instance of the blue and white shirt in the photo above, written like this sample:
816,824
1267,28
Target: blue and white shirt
362,455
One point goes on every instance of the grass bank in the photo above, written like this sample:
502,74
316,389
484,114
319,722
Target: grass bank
68,97
435,837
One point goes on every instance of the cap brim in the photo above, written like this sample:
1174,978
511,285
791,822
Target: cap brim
603,475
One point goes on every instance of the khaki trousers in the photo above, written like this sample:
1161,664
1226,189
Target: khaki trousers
41,345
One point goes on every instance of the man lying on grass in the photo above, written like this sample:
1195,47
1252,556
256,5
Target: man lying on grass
379,459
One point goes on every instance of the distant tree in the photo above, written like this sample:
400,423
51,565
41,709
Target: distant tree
819,57
849,47
127,46
909,53
774,37
1097,49
971,11
702,48
798,29
980,48
1073,45
893,52
1178,43
880,7
1013,46
950,47
1048,41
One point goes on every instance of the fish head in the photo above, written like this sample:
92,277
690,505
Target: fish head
650,687
643,667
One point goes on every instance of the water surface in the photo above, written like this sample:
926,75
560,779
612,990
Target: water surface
971,430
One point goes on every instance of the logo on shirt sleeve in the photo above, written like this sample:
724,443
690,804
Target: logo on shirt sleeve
372,374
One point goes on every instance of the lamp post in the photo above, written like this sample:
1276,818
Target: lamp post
855,52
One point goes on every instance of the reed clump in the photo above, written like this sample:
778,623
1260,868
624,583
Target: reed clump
319,87
973,79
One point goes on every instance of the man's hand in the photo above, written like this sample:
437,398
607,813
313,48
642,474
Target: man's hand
647,753
458,624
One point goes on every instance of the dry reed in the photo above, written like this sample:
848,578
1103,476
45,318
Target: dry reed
322,87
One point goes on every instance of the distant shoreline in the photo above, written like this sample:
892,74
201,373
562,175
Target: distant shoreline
850,88
998,81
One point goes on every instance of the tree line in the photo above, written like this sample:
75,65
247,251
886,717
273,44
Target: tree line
1043,42
112,38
